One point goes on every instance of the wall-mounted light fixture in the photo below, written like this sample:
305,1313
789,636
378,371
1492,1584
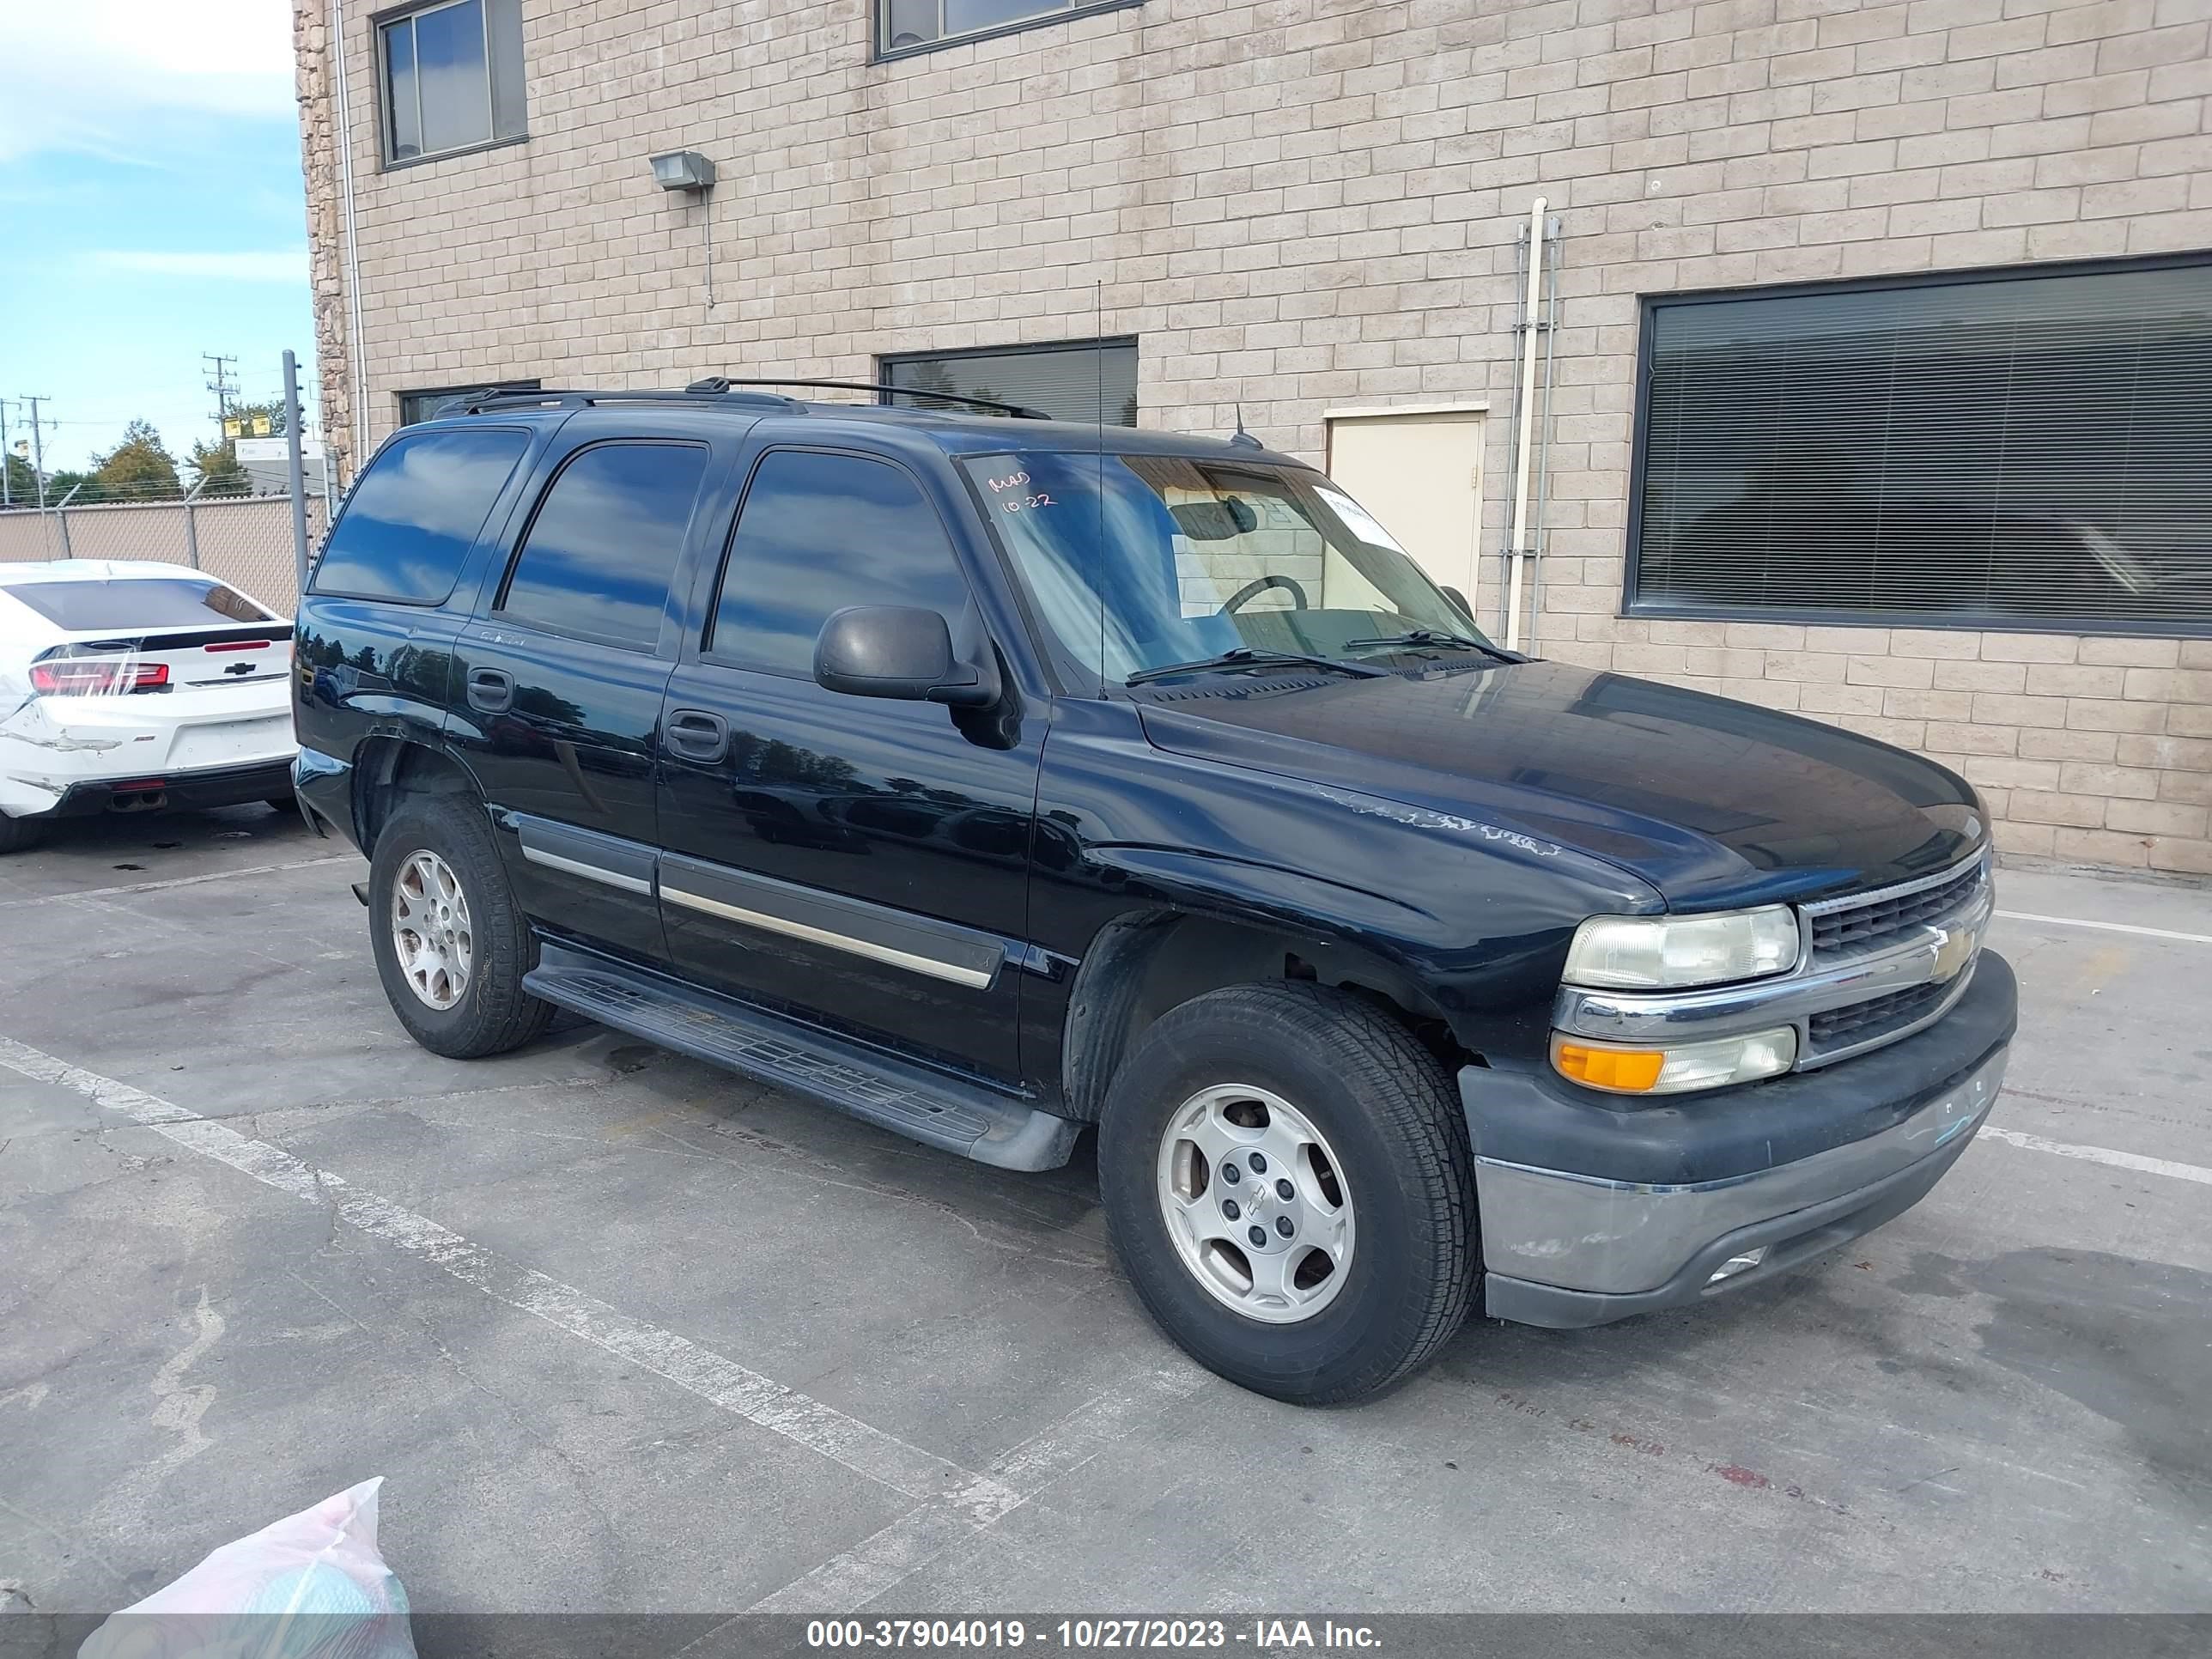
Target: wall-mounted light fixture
693,173
683,169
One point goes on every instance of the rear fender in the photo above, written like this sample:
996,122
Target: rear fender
389,765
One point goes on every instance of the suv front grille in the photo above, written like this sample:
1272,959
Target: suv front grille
1852,927
1865,1021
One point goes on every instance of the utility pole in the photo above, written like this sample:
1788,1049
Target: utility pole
38,450
6,498
222,385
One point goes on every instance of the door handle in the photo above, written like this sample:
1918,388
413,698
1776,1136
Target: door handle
491,690
696,735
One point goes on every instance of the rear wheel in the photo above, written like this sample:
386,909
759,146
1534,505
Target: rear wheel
1287,1183
16,833
451,945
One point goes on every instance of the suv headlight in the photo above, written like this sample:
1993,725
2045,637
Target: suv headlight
1678,1068
1662,953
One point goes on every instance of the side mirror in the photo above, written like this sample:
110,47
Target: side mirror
901,651
1460,600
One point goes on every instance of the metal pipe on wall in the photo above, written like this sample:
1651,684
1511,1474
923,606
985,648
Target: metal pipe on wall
1524,411
360,352
1539,526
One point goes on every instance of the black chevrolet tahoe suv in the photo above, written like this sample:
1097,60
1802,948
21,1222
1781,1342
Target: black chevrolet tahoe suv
989,778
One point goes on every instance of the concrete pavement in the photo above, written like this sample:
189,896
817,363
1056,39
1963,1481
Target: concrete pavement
627,1334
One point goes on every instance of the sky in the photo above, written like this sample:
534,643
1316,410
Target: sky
151,210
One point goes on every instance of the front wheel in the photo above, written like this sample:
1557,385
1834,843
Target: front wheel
451,945
1287,1183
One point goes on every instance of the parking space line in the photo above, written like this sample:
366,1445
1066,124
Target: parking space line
2107,926
175,881
2134,1161
854,1577
698,1370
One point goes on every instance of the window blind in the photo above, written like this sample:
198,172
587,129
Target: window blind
1063,381
2009,450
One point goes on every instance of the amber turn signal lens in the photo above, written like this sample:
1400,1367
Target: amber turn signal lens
1631,1071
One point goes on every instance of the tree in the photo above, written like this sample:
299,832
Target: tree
220,473
23,483
250,416
140,468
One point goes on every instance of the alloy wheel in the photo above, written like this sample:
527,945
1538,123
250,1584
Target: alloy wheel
430,930
1255,1203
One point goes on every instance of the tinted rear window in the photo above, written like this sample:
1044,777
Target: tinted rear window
604,546
412,519
129,604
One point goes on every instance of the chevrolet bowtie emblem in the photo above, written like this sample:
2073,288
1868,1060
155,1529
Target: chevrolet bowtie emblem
1954,949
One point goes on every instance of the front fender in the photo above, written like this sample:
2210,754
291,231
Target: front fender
1477,915
1235,888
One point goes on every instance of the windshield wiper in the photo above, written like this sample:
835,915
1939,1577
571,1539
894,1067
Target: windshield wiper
1244,656
1437,636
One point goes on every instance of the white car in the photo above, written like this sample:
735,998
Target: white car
128,686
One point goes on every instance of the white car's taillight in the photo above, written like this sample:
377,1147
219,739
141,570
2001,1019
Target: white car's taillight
86,678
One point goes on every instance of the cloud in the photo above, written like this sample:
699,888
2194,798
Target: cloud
101,76
288,264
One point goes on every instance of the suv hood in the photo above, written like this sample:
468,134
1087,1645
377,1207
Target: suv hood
1713,802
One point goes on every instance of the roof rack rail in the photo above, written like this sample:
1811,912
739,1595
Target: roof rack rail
717,383
474,403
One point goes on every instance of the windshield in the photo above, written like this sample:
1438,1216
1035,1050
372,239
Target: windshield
1136,562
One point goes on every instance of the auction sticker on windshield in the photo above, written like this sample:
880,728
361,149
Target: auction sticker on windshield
1361,522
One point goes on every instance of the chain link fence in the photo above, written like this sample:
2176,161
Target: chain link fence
245,540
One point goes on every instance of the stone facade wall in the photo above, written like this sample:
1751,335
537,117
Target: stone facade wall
320,161
1300,204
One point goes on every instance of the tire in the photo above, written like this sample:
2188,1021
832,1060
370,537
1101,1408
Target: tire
18,834
1387,1118
489,1011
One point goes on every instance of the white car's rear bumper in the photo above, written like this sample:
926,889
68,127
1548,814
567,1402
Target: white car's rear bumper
61,756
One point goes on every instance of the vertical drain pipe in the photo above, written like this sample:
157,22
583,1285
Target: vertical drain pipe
359,353
1516,544
1538,531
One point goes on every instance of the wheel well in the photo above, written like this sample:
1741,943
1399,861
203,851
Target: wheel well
1140,967
387,770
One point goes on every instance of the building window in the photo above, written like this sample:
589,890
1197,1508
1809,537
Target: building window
452,73
417,406
2023,450
912,25
1086,381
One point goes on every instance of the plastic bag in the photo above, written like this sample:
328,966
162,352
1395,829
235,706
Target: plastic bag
310,1586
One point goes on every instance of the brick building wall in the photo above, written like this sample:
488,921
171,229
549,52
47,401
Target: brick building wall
1300,204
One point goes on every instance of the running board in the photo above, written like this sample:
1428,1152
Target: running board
905,1099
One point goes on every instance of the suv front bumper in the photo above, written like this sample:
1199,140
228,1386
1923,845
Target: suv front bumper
1592,1210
